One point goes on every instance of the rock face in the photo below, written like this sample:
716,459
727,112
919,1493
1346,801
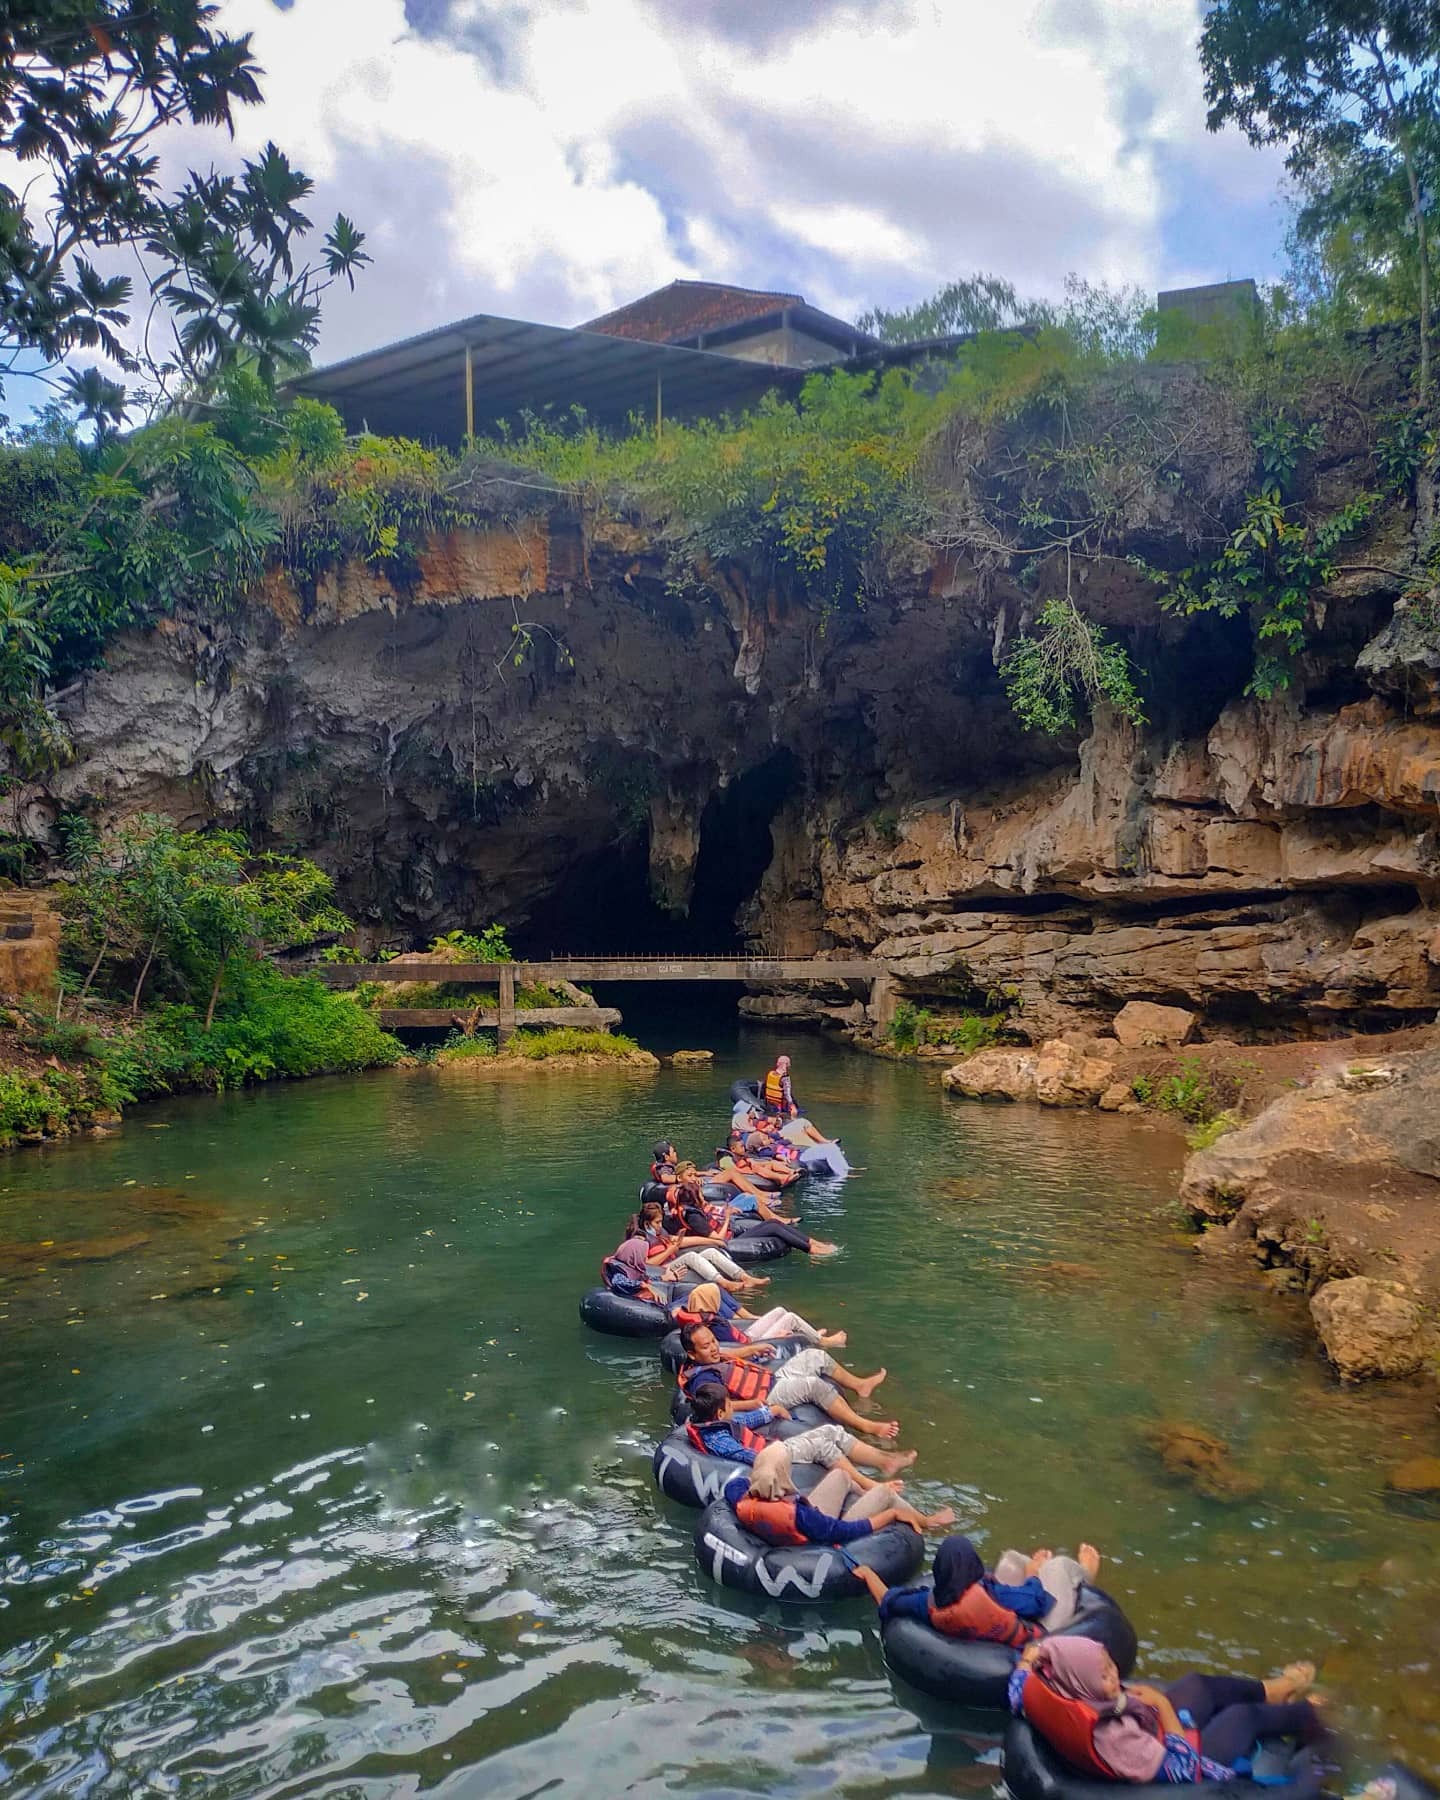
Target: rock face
1267,867
1367,1329
1341,1180
1142,1024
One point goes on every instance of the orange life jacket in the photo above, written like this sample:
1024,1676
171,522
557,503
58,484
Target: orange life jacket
773,1520
752,1440
979,1615
1069,1726
742,1380
774,1090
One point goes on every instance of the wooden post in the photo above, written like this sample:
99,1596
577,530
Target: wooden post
505,1014
469,396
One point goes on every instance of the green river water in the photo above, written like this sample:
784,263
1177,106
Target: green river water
314,1484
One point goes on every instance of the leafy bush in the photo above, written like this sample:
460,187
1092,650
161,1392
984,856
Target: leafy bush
1203,1136
911,1026
51,1102
1065,664
973,1032
487,946
568,1040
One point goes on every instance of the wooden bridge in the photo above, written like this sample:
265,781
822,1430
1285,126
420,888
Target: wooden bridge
506,977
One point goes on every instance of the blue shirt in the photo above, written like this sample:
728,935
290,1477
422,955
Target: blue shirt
719,1440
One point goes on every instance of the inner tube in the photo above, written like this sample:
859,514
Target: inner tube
671,1354
735,1558
688,1475
621,1316
824,1159
756,1247
976,1674
744,1090
1033,1771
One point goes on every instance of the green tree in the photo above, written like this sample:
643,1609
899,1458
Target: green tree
1349,87
86,89
188,904
974,303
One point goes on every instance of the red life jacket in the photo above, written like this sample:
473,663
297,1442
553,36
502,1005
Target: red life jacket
742,1380
978,1615
1069,1726
752,1440
773,1520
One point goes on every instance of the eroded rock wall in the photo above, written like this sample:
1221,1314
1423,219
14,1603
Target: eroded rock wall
466,743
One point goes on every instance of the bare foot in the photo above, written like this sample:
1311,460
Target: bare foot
818,1247
834,1340
1297,1679
939,1520
902,1459
1088,1558
882,1428
867,1386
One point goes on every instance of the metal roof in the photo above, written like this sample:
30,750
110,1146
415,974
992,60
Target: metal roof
416,388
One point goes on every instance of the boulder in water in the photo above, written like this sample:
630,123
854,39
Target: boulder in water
1368,1329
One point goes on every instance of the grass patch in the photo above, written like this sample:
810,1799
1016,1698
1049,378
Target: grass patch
459,1048
569,1040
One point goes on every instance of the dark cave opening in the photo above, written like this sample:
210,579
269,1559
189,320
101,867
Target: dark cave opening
605,908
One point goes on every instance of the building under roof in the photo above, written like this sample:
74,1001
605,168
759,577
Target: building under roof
692,349
746,322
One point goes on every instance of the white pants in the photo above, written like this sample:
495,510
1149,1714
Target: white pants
709,1265
779,1322
1060,1576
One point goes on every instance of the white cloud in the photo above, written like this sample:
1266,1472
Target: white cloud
554,159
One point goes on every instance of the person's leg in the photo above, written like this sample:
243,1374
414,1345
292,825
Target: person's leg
830,1493
1061,1577
863,1385
726,1264
1011,1568
813,1361
1202,1696
813,1390
1235,1730
780,1322
872,1501
776,1228
825,1444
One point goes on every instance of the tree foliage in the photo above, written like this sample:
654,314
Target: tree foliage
185,908
1349,87
86,89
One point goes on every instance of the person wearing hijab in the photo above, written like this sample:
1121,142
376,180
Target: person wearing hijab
1025,1595
1200,1728
839,1508
734,1324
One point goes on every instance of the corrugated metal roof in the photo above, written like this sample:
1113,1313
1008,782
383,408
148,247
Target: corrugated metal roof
416,388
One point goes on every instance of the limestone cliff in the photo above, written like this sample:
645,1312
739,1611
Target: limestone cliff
541,702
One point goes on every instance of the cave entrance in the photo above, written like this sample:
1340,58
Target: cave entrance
605,908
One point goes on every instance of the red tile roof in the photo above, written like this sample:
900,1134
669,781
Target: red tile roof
686,308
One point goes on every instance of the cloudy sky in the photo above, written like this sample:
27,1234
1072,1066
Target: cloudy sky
549,159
